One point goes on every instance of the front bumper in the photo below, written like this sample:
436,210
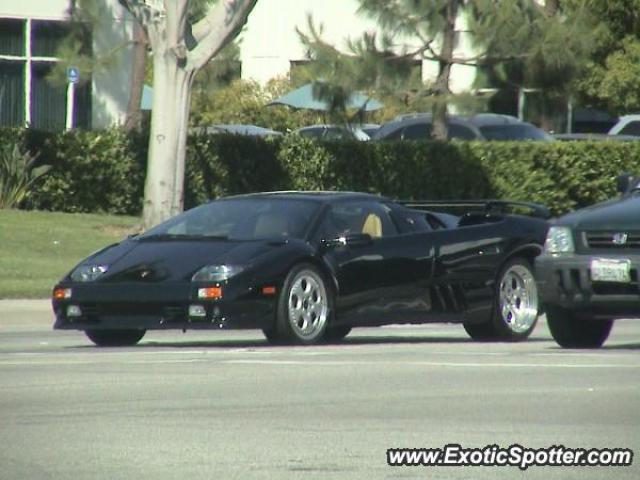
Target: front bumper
161,306
566,281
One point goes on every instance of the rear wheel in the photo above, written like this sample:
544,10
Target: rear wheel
571,332
517,305
115,338
272,335
304,306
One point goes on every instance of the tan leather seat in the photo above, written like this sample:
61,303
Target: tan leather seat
372,226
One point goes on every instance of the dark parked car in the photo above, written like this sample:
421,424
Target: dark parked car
497,127
484,126
418,127
588,275
306,266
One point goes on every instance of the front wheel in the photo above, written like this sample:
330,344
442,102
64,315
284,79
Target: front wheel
571,332
115,338
304,306
516,305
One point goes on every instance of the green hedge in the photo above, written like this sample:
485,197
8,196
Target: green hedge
91,171
562,175
104,171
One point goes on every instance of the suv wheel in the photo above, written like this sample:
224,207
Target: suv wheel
571,332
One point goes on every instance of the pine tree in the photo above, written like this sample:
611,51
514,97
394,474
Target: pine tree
522,34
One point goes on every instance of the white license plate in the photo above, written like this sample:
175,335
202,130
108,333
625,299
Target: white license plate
608,270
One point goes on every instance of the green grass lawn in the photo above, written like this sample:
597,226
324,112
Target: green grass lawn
39,248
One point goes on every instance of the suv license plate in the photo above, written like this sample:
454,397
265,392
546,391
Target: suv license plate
608,270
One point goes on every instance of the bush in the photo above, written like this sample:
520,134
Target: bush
91,171
104,171
563,175
18,174
245,101
220,165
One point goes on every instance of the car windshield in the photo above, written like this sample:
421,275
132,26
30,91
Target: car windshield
513,132
239,219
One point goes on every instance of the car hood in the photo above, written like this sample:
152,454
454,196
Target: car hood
175,260
612,215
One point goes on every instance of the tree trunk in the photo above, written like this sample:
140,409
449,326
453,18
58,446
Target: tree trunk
167,139
134,113
439,130
175,65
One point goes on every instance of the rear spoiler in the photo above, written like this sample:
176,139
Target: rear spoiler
486,206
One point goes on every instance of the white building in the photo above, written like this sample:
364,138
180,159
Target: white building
30,31
270,44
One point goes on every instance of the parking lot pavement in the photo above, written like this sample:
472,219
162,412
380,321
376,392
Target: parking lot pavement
226,404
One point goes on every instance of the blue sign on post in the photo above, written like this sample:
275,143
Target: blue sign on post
73,74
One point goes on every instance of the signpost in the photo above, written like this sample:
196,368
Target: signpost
73,76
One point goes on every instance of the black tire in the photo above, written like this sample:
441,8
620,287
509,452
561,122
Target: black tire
304,306
482,332
516,305
337,333
571,332
115,338
272,336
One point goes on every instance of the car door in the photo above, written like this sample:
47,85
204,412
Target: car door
381,272
466,266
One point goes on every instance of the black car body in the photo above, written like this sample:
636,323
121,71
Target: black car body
588,275
303,266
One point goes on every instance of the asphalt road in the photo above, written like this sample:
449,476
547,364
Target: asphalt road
226,405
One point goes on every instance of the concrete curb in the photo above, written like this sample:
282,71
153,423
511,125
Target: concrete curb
22,305
24,313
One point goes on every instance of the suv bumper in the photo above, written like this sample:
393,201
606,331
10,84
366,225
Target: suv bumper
565,281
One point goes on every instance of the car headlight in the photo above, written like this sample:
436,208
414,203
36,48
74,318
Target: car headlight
559,240
217,273
88,273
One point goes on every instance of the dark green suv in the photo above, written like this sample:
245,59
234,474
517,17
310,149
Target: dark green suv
587,275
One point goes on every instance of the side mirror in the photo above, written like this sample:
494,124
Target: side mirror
624,182
350,240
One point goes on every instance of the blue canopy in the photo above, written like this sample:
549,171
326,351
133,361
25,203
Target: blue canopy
303,97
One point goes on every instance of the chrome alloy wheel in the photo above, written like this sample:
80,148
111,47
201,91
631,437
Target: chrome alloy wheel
308,304
518,298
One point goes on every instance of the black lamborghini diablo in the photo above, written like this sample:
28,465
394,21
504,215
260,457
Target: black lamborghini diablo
308,266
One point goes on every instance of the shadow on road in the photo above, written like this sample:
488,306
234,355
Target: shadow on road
258,343
604,348
624,346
